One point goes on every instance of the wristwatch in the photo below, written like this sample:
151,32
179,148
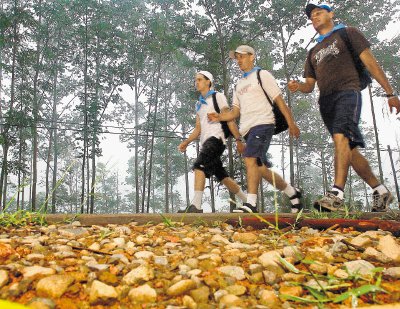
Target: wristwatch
239,139
390,95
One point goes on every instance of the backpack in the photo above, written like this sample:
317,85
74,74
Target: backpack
224,124
363,75
280,120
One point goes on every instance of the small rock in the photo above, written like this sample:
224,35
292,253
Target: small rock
145,255
319,268
201,295
293,252
389,246
116,258
143,294
54,286
35,257
161,260
37,270
270,261
41,303
361,241
393,272
94,246
269,298
142,273
359,267
92,265
219,239
229,301
270,277
102,294
237,290
255,268
246,238
4,279
296,291
188,302
79,232
233,271
375,255
181,287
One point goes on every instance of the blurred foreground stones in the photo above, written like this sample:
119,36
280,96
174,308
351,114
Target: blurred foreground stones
193,266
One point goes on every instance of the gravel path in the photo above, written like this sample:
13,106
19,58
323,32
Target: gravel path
172,265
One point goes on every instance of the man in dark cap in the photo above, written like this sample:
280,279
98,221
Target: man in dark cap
336,63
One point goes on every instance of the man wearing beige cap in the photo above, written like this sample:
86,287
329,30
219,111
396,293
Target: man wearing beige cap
212,142
257,124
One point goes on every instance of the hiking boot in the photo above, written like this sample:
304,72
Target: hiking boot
329,202
296,201
190,209
380,202
246,208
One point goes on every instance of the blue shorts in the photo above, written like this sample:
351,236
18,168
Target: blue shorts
341,112
257,143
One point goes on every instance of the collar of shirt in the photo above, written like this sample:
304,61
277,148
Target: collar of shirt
202,100
323,36
245,74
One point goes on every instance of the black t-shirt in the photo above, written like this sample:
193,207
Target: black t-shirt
332,65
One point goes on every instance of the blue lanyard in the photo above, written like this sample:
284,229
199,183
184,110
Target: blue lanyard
202,100
323,36
245,74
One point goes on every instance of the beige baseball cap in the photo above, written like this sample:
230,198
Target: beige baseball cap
242,49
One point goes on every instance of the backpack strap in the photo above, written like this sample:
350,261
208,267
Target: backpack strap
356,58
216,107
260,82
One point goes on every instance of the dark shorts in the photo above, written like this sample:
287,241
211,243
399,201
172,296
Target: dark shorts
257,143
209,159
341,112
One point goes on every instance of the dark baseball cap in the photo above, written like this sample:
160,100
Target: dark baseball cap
311,7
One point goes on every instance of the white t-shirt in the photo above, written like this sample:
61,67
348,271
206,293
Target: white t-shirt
208,128
252,102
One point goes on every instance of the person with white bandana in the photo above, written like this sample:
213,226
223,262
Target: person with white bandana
212,142
257,125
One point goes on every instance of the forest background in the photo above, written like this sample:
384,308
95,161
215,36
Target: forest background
76,74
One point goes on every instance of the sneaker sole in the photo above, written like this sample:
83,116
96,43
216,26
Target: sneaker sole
389,200
323,208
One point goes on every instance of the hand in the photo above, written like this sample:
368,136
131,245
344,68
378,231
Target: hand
394,102
294,131
293,86
213,117
240,146
182,146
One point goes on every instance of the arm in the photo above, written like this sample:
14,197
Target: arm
306,87
235,132
193,136
293,128
228,116
377,73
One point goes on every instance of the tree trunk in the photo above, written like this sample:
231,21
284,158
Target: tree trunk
211,182
35,112
378,152
289,101
153,133
137,185
324,172
85,126
4,132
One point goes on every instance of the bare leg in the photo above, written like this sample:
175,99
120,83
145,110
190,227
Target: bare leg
273,178
363,169
199,180
253,175
342,159
231,185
